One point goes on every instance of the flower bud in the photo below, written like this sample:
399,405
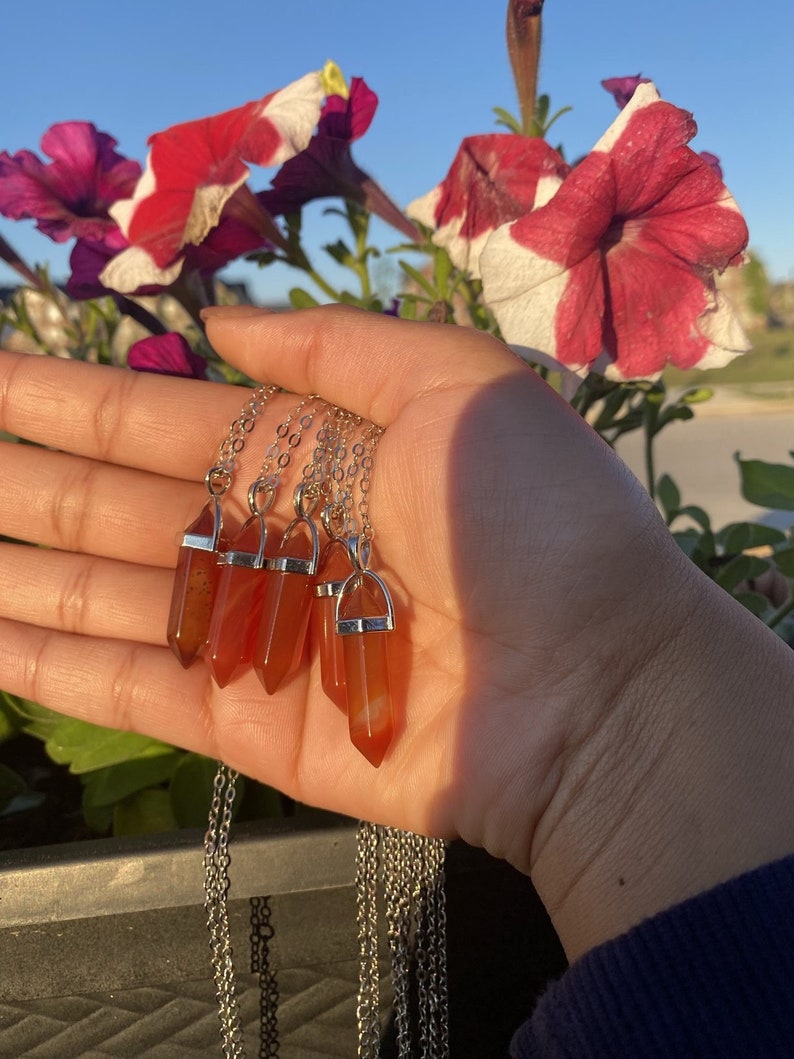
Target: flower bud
523,47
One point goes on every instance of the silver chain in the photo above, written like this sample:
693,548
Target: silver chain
398,882
216,889
411,867
219,477
412,870
368,1007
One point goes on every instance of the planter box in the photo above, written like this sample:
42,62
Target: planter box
104,946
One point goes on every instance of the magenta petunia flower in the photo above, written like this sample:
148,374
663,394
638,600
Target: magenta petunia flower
166,355
325,169
622,259
193,171
493,179
713,161
623,88
71,195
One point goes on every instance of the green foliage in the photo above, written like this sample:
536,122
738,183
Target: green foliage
757,283
741,553
131,784
767,484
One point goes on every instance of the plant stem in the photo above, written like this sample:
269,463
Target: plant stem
649,418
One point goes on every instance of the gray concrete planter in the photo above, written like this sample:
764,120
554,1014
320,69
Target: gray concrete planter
104,948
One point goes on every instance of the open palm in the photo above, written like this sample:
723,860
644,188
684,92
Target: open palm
492,506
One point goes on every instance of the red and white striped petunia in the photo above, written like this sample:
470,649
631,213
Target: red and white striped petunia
194,169
493,179
622,260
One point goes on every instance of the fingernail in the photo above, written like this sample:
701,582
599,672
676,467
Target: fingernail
232,312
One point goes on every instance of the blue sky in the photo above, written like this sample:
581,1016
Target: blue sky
438,67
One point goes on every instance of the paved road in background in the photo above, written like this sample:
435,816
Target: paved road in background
698,455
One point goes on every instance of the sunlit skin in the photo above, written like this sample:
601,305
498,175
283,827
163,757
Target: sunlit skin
569,692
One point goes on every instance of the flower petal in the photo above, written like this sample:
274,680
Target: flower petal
623,257
70,196
196,167
493,179
623,88
166,355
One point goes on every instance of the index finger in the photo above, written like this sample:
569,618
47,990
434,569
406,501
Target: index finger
149,422
369,363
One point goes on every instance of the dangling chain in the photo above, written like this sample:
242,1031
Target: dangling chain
216,841
216,889
412,871
233,444
216,855
410,867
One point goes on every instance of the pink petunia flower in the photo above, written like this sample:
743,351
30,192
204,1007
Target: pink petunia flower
623,88
713,161
493,179
166,355
622,260
193,171
71,195
325,169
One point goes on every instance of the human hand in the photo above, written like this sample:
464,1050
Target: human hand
532,577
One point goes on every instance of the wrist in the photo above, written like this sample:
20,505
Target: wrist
679,779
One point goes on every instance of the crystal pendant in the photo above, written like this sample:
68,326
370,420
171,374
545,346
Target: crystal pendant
364,629
334,569
195,582
238,603
286,606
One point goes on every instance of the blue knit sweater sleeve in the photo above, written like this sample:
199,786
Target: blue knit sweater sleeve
712,977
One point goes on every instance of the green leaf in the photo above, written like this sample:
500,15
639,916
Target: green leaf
146,812
784,561
422,282
678,411
754,602
697,514
697,396
301,299
739,536
85,747
106,786
34,720
341,253
542,109
688,541
504,117
740,568
767,484
190,790
555,116
10,723
669,496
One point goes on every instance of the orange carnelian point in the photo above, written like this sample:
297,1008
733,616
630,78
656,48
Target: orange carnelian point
286,608
369,700
238,602
193,594
335,567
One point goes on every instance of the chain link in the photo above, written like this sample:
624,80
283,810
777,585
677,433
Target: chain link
368,1007
369,443
412,867
286,441
219,477
216,889
261,936
397,868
